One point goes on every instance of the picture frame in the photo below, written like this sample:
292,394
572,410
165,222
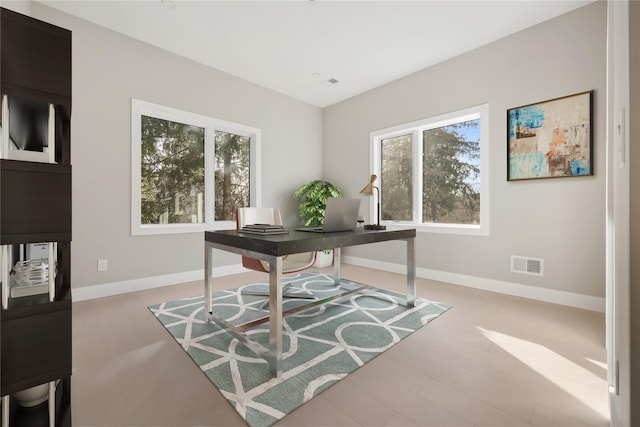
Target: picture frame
551,139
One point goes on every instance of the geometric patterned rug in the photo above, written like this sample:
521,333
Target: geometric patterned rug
321,345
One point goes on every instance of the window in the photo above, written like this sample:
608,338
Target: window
189,172
434,172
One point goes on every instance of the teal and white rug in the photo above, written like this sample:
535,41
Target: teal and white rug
321,345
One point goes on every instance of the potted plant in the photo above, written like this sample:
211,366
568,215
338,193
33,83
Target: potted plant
312,202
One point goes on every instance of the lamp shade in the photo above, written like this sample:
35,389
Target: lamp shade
368,189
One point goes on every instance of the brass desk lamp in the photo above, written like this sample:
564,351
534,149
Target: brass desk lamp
368,189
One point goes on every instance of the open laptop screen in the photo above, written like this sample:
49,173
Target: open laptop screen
340,215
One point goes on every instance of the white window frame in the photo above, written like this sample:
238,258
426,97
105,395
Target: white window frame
210,125
416,128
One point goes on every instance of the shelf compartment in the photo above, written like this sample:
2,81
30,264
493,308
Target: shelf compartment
40,303
38,416
34,268
35,128
36,348
35,199
28,130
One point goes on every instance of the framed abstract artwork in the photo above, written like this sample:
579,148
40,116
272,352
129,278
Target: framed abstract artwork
550,139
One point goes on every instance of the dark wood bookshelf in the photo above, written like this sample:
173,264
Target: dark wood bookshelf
35,207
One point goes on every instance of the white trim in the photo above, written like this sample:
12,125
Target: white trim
618,221
144,283
464,229
585,302
152,229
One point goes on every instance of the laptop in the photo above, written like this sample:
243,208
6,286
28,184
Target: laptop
340,215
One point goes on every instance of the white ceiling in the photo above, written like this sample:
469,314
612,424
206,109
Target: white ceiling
294,46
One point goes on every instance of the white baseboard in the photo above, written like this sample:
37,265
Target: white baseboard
116,288
586,302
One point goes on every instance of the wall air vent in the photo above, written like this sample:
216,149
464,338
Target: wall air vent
527,265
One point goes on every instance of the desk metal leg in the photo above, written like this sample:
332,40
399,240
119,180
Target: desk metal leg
337,275
208,276
411,273
275,316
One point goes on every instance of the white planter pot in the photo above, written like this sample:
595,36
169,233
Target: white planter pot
323,260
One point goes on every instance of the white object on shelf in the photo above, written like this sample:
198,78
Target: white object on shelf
51,143
37,251
33,396
4,148
31,277
7,150
31,272
28,290
5,411
53,250
52,403
4,250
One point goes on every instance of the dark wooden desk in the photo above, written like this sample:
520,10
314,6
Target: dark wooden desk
271,249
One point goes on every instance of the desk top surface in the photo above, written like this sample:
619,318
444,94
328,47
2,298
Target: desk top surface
302,241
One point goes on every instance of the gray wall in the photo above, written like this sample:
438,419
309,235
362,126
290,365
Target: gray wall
108,70
559,220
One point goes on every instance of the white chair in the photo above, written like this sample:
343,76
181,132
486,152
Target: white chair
293,263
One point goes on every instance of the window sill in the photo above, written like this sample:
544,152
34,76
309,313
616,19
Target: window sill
155,229
465,230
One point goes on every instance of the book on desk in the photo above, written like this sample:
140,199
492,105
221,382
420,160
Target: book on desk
263,229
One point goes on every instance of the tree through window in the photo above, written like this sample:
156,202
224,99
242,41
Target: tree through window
432,171
232,174
189,171
451,174
172,178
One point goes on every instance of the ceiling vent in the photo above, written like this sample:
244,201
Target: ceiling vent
527,265
329,82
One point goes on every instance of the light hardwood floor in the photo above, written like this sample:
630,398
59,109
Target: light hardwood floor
492,360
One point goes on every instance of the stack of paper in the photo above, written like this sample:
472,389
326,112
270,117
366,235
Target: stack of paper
31,278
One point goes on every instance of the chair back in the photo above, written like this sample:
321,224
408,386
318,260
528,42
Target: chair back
290,263
247,216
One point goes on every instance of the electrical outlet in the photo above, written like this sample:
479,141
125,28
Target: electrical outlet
102,265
